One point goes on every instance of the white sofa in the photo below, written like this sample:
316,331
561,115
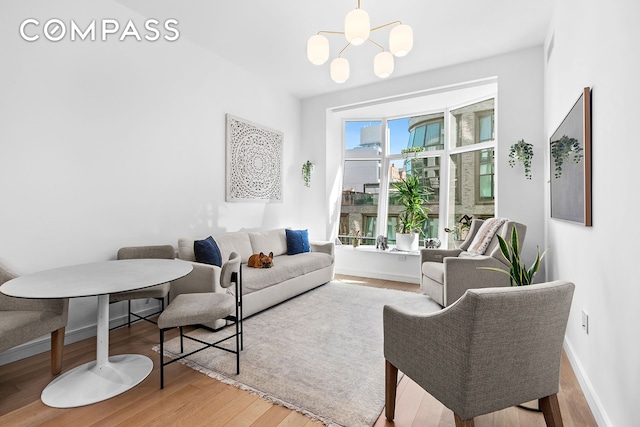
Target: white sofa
262,288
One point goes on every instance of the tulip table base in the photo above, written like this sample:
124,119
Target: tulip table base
101,379
90,383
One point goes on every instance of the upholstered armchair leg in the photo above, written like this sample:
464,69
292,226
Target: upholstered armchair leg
463,423
391,384
551,410
57,346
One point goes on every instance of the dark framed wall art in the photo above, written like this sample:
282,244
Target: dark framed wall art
570,148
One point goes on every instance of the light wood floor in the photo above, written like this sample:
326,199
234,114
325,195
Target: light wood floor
193,399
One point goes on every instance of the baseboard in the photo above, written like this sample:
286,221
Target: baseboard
43,344
376,275
587,389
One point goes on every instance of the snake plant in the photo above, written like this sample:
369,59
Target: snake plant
519,274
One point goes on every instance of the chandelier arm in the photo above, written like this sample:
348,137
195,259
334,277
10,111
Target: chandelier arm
386,25
330,32
343,49
371,41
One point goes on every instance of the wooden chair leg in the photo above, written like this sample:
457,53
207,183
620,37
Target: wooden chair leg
551,409
463,423
57,346
391,384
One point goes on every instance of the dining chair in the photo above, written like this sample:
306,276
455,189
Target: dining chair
159,292
22,320
198,309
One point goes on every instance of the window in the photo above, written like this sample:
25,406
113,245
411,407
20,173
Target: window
433,134
361,181
456,166
456,178
485,126
428,170
473,183
473,124
371,227
486,172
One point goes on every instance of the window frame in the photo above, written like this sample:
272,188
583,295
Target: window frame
446,206
478,163
479,116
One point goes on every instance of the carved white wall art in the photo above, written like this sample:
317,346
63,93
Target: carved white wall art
254,161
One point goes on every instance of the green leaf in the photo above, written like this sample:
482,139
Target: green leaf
495,269
518,273
534,268
514,241
504,249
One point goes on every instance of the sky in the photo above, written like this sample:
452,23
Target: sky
399,135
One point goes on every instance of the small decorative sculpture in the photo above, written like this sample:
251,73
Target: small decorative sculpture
382,243
432,243
356,238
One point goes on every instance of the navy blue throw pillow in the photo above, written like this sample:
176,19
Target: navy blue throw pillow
207,251
297,241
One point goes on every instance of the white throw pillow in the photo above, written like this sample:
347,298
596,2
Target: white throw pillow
185,249
485,234
269,241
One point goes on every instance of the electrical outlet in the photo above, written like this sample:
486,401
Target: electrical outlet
402,257
585,322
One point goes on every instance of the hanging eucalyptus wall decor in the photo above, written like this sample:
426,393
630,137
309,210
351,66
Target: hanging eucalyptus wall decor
523,152
307,168
561,149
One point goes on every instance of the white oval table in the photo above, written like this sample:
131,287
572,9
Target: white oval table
106,376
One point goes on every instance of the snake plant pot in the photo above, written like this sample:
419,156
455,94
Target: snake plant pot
407,242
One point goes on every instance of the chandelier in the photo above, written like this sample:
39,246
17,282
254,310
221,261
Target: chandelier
357,30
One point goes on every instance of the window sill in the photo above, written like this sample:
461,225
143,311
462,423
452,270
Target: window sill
372,249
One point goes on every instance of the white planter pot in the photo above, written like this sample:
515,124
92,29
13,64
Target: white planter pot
407,242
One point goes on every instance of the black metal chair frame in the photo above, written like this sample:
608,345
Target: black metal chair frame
236,278
139,317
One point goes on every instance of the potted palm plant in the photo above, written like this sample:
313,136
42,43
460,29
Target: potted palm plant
412,195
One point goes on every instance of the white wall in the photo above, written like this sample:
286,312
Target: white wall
520,101
366,261
110,144
597,46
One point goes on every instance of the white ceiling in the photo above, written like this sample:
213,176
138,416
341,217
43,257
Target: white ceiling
269,37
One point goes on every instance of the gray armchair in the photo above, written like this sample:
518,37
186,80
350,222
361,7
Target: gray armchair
22,320
493,349
447,273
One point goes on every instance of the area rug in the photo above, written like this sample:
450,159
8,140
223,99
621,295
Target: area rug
320,353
